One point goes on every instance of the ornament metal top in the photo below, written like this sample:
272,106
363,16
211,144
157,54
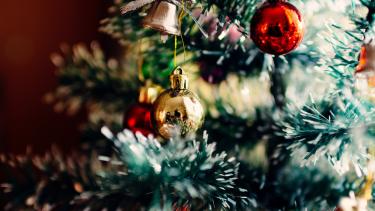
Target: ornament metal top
177,111
277,27
365,72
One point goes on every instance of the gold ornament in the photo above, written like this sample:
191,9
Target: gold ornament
365,72
163,16
177,111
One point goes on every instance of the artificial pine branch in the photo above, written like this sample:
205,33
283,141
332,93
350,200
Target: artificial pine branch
339,126
44,182
178,172
86,76
328,128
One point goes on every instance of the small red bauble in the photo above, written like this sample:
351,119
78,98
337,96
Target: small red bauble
277,27
138,119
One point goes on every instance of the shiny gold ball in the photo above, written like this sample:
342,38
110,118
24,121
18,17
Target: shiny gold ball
177,112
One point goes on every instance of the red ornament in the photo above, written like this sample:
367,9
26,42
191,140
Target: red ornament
138,119
277,27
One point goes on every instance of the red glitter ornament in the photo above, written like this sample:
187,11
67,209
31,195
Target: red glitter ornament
277,27
138,117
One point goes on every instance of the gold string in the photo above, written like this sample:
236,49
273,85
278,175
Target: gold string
180,16
180,23
175,51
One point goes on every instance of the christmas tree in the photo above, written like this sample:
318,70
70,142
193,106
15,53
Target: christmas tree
213,105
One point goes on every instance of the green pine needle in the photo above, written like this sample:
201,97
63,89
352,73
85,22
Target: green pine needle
178,172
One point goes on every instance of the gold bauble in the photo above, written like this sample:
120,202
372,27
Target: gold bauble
177,111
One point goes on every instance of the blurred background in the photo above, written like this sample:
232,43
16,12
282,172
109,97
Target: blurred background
29,32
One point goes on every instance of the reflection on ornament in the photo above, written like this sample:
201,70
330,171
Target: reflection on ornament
163,16
138,117
177,111
277,27
365,72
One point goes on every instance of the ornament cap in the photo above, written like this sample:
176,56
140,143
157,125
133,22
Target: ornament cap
179,79
149,92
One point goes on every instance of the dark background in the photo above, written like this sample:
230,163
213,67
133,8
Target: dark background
30,30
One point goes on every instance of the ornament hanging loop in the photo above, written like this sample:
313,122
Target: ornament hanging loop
179,79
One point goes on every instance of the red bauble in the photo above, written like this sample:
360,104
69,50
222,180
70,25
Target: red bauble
138,118
277,27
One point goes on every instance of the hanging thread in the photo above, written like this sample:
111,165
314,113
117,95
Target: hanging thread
175,51
180,16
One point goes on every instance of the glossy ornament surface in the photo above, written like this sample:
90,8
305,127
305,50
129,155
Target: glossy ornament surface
177,111
277,27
